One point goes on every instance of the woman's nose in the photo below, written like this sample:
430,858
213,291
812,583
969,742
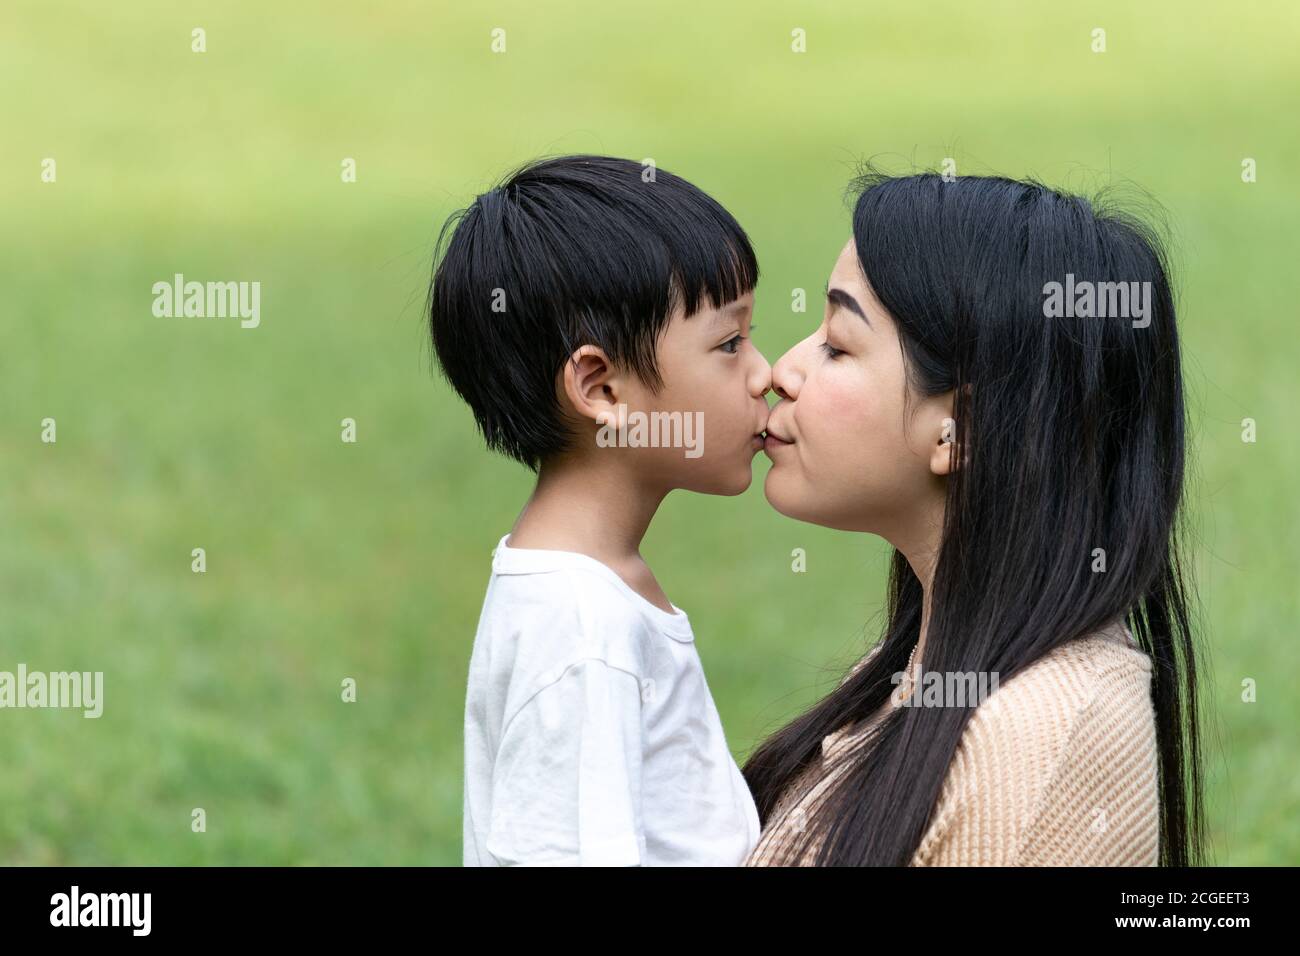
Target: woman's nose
786,377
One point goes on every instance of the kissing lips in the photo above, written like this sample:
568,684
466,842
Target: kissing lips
775,441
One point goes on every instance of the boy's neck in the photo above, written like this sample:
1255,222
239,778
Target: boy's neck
590,505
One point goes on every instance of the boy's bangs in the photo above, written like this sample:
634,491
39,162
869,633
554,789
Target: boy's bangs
713,264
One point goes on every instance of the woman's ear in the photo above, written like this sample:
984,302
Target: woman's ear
943,454
943,458
592,385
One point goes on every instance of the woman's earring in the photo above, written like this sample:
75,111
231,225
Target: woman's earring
946,436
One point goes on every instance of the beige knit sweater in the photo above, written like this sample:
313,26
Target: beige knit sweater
1057,767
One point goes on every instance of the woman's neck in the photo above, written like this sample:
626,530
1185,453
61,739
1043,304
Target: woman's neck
921,551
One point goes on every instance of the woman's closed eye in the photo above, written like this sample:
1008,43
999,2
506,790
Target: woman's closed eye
830,350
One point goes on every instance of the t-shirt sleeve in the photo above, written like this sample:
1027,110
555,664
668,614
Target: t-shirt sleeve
566,788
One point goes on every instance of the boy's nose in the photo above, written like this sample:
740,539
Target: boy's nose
760,377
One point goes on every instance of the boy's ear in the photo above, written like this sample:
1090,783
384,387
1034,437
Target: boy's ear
593,386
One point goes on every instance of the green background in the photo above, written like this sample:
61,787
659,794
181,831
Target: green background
329,560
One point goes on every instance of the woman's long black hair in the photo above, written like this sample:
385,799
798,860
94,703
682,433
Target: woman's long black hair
1070,437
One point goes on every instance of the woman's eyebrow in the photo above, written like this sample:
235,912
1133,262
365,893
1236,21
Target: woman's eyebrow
842,299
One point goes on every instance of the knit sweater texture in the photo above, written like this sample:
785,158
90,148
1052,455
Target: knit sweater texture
1057,767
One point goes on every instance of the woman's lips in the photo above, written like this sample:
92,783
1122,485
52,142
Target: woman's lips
774,441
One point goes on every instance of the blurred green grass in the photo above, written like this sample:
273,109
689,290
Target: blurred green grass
328,560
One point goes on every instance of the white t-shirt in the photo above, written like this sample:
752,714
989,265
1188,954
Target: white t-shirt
591,737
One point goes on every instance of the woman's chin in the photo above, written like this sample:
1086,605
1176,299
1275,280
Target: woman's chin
783,498
802,504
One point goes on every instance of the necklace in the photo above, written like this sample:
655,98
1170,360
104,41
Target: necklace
907,673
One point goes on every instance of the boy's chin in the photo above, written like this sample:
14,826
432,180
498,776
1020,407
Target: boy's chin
728,485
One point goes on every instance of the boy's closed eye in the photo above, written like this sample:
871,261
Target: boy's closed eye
732,345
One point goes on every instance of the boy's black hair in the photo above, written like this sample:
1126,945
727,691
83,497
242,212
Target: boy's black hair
567,252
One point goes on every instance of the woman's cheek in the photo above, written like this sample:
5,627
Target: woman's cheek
845,429
839,408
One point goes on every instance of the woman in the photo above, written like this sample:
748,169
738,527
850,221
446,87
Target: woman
1027,467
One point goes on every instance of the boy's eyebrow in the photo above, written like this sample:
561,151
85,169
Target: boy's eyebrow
724,314
842,299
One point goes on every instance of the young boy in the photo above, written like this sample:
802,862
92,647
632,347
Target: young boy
595,316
